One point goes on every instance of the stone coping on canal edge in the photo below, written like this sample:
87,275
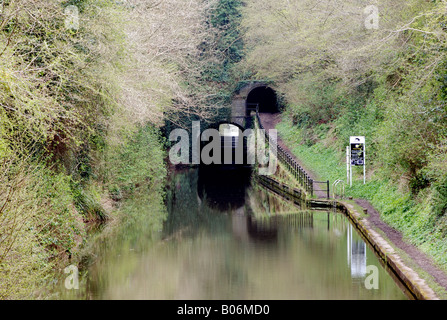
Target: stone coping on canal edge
408,276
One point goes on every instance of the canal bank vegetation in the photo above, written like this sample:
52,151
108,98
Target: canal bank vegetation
85,87
352,69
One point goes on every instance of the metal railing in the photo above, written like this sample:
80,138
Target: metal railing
327,190
341,184
306,182
282,189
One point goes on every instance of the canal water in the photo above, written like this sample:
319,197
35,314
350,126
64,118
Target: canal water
225,237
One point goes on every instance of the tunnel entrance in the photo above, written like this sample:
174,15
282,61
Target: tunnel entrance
265,97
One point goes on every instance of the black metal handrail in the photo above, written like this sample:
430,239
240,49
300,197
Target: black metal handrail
306,182
327,190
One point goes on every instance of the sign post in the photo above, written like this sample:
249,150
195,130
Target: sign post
348,166
357,155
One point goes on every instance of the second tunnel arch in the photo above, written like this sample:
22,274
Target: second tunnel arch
251,94
265,98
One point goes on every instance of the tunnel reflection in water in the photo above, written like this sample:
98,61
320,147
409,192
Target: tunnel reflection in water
226,191
223,189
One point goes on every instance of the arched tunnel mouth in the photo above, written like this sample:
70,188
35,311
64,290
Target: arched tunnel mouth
265,97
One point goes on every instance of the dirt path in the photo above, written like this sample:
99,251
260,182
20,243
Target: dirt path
420,258
269,121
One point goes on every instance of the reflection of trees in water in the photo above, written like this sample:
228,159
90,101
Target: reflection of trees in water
198,198
267,228
213,271
208,253
262,230
266,203
181,201
144,215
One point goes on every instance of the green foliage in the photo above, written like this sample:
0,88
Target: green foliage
136,161
39,226
86,104
217,67
315,101
87,200
226,17
440,197
341,79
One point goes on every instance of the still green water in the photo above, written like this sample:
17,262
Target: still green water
225,240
